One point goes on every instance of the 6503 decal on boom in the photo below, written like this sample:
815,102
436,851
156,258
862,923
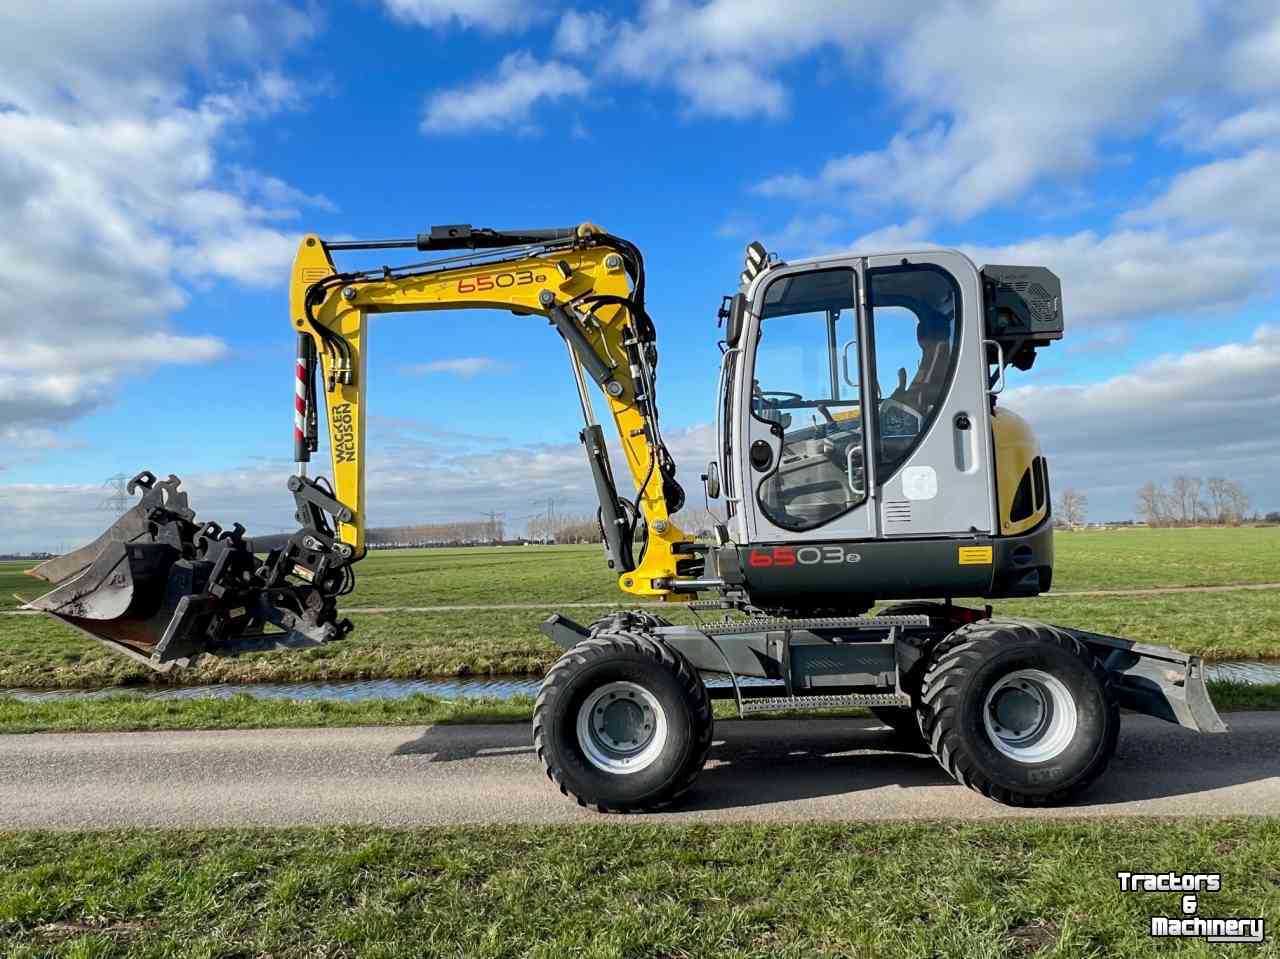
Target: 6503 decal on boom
781,556
490,281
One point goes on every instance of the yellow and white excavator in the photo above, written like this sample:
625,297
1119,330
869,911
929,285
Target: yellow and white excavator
846,481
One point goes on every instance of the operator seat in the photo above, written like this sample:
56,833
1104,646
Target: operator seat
933,335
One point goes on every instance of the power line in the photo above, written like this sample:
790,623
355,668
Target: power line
118,500
495,528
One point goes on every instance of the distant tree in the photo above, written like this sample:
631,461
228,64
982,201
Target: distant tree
1072,508
1153,504
1217,489
1185,500
577,529
1273,517
1236,502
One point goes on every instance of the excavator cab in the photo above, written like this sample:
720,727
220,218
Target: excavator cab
862,437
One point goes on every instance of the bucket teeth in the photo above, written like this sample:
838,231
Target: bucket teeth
163,589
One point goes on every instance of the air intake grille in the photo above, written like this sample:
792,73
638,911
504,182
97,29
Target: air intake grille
897,511
1039,300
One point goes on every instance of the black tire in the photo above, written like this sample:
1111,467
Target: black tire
675,687
978,661
902,720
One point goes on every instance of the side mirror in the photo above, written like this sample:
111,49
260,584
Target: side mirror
735,319
711,480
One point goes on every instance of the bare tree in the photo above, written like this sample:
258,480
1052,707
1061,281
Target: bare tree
1072,508
1236,503
1185,499
1216,488
1153,504
1193,500
577,529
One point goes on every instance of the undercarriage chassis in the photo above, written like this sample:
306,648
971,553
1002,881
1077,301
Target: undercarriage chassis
778,663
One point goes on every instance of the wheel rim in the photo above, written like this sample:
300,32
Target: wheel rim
622,728
1030,716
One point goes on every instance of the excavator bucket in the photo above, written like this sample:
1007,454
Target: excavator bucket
163,589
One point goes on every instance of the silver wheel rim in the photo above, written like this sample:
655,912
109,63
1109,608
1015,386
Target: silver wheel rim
622,728
1030,716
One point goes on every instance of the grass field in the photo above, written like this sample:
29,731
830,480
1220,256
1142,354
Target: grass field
1090,559
35,651
39,652
1007,889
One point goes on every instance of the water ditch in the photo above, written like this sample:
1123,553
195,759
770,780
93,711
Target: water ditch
481,687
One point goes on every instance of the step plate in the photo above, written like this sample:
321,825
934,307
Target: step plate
813,703
769,624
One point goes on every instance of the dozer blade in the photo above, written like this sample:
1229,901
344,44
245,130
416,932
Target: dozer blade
163,589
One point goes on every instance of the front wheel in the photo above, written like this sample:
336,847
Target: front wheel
1019,711
622,723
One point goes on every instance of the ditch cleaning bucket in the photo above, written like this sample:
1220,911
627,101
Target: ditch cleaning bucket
163,589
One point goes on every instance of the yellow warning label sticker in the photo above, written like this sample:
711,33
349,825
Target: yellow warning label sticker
975,555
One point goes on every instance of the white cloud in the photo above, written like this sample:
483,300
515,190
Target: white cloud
87,57
998,96
113,190
580,33
1253,64
720,56
731,89
1237,192
1246,127
1004,94
467,366
506,100
499,16
1207,412
1139,274
416,473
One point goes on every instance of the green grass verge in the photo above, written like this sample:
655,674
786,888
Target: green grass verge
969,891
125,712
39,652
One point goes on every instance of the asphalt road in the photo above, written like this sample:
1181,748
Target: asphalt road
759,770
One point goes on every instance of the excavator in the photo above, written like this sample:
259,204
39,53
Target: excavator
862,456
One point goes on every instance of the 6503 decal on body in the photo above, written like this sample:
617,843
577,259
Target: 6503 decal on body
783,556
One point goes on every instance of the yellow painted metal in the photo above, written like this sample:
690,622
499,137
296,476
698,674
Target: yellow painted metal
1016,447
516,285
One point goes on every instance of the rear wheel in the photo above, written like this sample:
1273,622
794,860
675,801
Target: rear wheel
1019,711
622,723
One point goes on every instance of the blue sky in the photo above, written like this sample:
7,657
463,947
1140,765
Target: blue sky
155,176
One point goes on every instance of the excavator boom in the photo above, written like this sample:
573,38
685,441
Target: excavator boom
165,589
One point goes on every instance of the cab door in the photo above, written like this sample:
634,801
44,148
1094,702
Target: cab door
930,439
862,408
